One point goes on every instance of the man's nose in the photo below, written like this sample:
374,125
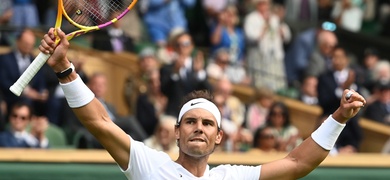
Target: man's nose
199,127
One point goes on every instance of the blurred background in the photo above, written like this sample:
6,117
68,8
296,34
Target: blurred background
276,69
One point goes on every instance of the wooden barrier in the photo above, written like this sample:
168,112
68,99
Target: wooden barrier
253,157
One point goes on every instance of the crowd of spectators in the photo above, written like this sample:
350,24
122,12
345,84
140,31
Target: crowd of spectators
276,47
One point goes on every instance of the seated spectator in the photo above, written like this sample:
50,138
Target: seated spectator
235,137
163,138
348,15
308,91
330,87
379,110
151,104
286,134
264,139
320,60
257,112
221,67
370,60
17,136
136,82
13,64
98,84
226,34
113,38
162,17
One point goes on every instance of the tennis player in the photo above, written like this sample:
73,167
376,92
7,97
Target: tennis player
198,132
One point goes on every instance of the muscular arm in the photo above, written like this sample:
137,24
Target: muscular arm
307,156
92,115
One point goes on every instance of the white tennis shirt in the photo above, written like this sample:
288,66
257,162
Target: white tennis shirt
146,163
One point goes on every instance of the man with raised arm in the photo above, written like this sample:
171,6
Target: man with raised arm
198,132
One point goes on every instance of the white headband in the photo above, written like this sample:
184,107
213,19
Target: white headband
203,104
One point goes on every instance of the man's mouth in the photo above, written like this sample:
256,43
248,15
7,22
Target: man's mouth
197,140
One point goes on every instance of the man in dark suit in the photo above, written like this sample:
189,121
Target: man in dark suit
379,110
184,75
113,38
13,64
330,88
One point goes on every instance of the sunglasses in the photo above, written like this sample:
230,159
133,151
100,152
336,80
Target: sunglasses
15,116
184,44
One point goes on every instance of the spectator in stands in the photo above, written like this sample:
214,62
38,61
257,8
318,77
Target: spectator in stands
185,74
113,38
3,112
136,83
386,147
226,34
380,74
371,59
232,107
329,86
298,11
265,56
264,139
258,110
163,16
13,64
320,59
151,105
299,52
5,16
286,134
27,14
214,8
236,138
163,138
379,110
308,92
221,67
348,15
17,136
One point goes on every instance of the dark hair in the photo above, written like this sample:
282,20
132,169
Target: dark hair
285,114
21,104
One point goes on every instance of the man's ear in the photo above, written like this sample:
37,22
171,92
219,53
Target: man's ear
219,137
177,132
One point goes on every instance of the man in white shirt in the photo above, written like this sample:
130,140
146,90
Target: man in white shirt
197,131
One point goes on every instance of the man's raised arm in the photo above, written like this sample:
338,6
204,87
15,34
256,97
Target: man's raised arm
307,156
87,108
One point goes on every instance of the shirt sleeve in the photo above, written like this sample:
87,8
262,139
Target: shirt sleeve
143,160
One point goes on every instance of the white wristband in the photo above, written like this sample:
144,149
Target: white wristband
326,135
77,93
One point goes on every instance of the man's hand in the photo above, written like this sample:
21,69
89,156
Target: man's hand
58,60
198,61
349,107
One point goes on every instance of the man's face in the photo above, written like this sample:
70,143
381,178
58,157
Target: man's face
19,118
184,45
26,43
198,133
98,86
